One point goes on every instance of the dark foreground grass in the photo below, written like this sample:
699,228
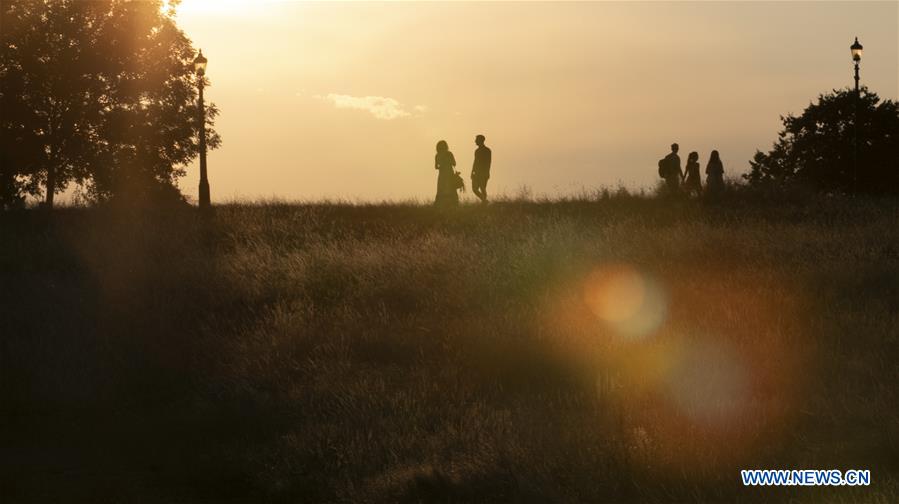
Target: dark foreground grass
330,353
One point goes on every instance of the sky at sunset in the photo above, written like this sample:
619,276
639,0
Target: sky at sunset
347,100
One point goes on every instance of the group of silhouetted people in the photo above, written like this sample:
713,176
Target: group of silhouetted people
688,181
449,181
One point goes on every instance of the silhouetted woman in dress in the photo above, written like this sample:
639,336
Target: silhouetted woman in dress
445,164
692,183
714,175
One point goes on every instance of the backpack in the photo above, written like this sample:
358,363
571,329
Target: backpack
663,168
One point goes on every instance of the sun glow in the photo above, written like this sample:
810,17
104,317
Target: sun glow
228,7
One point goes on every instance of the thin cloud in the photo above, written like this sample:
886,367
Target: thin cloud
379,106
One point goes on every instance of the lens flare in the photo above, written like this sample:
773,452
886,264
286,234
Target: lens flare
630,303
709,383
705,373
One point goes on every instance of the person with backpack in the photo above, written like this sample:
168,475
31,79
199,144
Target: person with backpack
669,169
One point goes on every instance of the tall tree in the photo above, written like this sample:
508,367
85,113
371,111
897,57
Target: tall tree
101,93
818,148
11,187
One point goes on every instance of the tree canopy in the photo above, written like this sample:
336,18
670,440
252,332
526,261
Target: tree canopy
817,148
100,93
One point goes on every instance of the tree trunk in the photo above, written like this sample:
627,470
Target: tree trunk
51,161
51,185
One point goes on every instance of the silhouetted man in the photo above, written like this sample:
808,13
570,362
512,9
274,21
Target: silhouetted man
672,175
480,171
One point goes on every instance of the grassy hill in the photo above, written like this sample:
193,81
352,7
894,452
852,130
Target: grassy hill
624,349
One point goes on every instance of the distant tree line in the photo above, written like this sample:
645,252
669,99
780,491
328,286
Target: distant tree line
98,93
818,148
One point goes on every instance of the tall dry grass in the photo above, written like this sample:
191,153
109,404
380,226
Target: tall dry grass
388,353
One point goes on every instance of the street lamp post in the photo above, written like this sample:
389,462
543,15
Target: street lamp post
856,50
200,68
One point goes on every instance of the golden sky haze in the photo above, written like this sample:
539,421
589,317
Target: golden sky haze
347,100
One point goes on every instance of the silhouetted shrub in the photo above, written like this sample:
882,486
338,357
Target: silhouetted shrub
816,148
